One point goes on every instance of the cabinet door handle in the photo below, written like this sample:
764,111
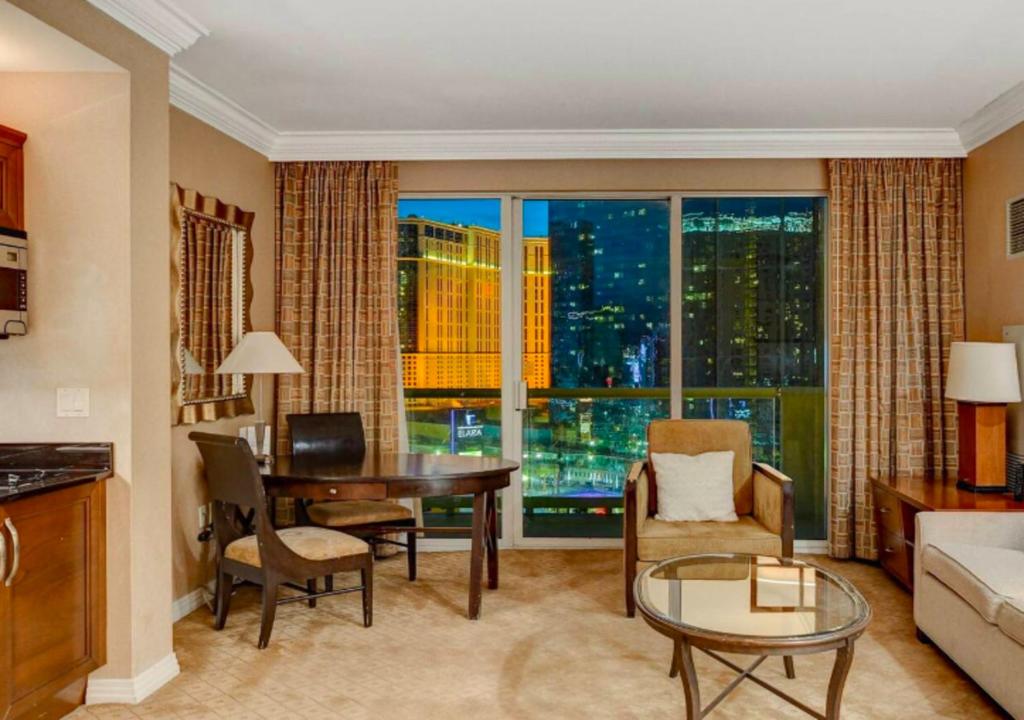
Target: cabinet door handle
17,552
3,552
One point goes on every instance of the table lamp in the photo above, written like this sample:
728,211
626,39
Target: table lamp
982,379
260,353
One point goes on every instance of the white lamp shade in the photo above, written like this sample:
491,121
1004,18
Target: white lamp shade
259,353
192,366
983,372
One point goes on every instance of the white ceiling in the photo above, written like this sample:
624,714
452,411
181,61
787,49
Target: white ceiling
324,65
30,45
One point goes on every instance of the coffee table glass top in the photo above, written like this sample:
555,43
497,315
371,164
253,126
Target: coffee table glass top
749,596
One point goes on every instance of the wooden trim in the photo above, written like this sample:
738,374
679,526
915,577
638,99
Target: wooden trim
788,505
182,201
630,533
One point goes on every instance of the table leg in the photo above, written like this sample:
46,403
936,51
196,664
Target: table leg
476,555
841,668
688,674
492,540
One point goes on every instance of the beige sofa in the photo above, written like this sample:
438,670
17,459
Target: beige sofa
969,596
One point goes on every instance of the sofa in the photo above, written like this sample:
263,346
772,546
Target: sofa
969,596
763,497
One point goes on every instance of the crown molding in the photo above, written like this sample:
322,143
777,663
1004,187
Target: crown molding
195,97
190,94
160,22
994,119
605,144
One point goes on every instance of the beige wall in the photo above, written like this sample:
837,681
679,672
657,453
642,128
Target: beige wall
613,175
139,533
206,160
993,173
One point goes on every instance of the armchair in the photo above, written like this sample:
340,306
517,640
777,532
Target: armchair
763,497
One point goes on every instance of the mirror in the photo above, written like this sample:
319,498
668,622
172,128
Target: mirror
212,252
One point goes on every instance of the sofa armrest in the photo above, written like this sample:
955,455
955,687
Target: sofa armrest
773,504
636,497
991,529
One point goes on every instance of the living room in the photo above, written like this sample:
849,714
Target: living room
408,362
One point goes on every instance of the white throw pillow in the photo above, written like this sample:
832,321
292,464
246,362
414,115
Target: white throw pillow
695,487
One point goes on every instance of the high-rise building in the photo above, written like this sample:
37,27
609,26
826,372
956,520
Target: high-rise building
450,306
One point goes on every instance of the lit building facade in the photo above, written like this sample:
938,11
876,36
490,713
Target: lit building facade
450,306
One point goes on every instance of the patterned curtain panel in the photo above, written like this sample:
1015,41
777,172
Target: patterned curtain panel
336,241
206,277
896,261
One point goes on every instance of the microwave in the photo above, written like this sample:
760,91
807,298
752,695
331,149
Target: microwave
13,286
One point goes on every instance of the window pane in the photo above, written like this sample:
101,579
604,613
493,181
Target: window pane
753,322
449,310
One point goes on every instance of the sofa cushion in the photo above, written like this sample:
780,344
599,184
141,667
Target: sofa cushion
310,542
983,576
1010,618
658,539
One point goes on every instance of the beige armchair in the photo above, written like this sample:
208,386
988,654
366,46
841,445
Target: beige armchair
763,498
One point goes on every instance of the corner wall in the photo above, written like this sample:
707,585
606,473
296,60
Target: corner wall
206,160
994,283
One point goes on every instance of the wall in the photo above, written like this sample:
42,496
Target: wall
993,173
206,160
138,525
613,175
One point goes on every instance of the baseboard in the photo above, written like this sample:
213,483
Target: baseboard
131,691
187,603
810,547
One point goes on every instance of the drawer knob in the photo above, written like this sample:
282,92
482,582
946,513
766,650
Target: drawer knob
883,510
333,491
889,550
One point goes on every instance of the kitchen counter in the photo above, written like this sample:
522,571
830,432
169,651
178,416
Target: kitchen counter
33,468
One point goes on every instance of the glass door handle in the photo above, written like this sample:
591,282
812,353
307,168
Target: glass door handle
522,395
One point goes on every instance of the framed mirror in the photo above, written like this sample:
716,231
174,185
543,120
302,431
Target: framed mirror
212,293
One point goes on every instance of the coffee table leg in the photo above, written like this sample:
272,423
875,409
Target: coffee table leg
674,669
476,555
492,540
688,674
841,668
787,660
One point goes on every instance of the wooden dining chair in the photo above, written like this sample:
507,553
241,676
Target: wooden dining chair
339,437
270,558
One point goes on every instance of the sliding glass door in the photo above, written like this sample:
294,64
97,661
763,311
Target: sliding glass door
595,356
553,329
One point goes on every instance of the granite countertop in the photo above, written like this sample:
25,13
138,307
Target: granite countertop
32,468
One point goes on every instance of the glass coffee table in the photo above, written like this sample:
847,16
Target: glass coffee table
752,605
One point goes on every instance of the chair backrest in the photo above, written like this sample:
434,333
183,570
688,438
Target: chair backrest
235,485
336,435
693,437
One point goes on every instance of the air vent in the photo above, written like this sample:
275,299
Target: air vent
1015,227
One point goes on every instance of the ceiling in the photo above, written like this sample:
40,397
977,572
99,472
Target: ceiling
30,45
303,65
690,77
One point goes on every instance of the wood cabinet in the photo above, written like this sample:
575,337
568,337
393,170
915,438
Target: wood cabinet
53,603
897,502
12,179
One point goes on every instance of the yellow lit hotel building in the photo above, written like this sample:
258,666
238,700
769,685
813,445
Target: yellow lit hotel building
450,306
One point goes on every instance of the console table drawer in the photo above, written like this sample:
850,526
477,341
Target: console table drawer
889,513
895,556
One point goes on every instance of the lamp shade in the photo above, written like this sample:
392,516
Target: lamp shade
192,366
983,373
259,353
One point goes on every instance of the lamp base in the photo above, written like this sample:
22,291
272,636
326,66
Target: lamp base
981,489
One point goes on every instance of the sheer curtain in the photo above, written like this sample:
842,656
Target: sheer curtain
896,243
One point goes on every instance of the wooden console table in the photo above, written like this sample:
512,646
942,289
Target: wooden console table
898,499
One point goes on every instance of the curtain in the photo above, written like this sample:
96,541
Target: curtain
207,251
896,243
336,243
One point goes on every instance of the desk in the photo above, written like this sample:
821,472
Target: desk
898,499
383,476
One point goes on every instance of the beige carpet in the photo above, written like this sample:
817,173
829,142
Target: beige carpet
552,643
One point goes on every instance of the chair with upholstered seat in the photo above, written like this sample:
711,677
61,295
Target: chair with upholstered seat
762,495
293,557
339,436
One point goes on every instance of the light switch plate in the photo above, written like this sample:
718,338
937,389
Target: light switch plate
73,402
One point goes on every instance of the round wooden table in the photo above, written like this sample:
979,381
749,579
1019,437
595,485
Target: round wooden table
752,605
382,476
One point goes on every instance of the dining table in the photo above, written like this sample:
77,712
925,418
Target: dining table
392,476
